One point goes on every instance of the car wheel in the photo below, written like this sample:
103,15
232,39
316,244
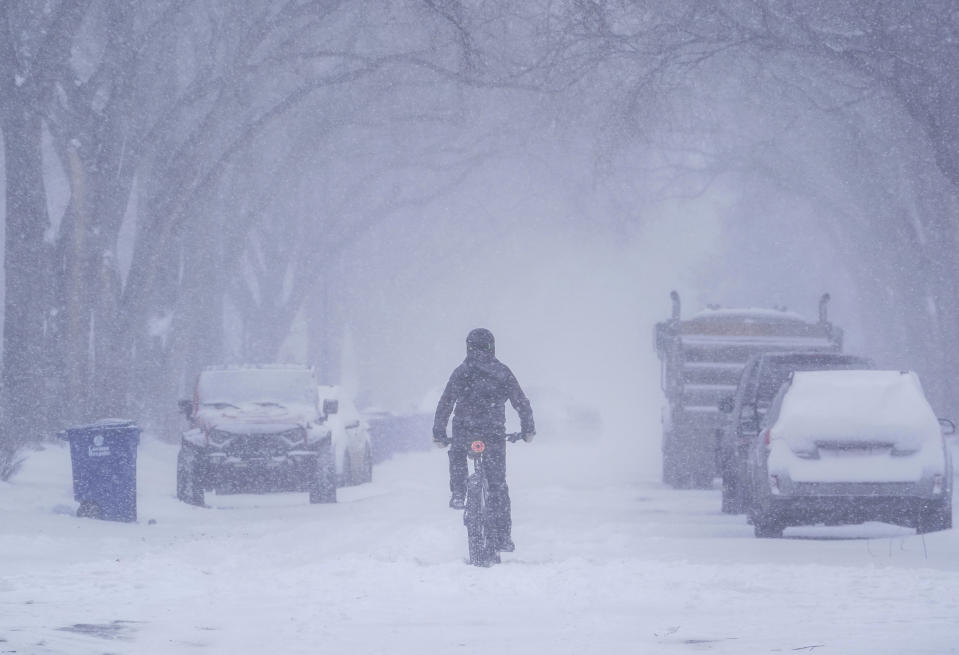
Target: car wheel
732,493
189,485
671,469
345,478
89,510
683,466
701,480
766,527
323,478
367,474
675,470
934,517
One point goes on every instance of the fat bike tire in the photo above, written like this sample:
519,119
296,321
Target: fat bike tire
481,551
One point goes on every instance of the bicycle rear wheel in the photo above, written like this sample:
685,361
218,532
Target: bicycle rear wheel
481,549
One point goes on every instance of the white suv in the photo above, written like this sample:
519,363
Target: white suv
841,447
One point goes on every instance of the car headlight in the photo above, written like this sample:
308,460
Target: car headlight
220,439
315,436
294,436
905,452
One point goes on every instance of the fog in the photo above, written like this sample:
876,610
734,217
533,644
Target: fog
572,308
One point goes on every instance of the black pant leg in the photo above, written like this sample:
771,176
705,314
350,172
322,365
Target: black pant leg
494,462
459,470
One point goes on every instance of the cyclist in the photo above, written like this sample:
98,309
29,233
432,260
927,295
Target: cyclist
476,395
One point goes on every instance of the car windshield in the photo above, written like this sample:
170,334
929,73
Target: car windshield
775,371
267,387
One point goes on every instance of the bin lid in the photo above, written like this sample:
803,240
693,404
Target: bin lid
107,424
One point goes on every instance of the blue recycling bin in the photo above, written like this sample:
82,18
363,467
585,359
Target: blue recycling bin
104,458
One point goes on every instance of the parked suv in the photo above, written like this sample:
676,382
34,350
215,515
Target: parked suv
847,447
761,379
255,429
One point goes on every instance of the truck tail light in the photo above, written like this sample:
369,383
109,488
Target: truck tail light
774,485
937,484
767,437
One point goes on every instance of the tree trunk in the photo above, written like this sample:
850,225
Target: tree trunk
323,333
26,282
74,304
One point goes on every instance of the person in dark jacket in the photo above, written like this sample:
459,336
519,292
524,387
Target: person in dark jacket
476,395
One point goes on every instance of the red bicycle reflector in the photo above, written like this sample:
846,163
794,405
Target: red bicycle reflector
478,446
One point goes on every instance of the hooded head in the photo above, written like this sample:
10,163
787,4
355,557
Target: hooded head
480,343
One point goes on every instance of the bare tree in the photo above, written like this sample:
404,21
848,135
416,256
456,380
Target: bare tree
34,46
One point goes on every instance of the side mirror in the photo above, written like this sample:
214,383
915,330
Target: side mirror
330,407
186,407
948,427
727,404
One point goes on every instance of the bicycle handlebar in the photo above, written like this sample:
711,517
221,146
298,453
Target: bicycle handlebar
512,437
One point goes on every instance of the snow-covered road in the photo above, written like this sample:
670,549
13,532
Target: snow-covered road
604,564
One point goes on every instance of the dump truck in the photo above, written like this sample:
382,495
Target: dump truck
702,358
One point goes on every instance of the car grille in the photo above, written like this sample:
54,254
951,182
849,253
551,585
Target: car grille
855,489
256,445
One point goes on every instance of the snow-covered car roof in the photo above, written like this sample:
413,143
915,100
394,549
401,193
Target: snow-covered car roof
256,384
861,385
856,405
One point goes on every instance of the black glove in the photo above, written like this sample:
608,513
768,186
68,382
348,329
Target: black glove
528,436
441,440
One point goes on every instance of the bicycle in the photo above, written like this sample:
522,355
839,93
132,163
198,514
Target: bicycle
476,516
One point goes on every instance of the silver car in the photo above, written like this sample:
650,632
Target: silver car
841,447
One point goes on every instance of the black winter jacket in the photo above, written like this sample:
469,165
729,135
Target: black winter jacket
478,390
